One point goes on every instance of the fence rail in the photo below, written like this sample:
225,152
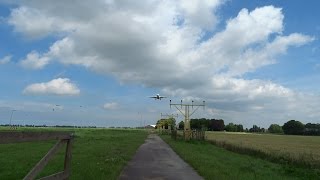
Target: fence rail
187,135
61,137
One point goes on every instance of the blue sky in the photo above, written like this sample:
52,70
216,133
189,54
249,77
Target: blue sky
254,62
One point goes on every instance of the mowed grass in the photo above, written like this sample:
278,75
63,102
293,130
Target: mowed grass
213,162
96,154
298,150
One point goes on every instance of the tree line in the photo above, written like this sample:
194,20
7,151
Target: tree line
291,127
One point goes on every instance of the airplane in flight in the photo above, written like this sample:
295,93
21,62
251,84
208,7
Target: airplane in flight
157,96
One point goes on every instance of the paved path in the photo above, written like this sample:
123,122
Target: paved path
157,161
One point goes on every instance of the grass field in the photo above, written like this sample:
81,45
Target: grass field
102,153
298,150
213,162
97,154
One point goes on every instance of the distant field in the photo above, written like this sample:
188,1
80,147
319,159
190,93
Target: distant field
302,150
97,153
213,162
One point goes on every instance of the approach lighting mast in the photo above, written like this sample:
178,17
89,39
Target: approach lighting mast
169,115
187,114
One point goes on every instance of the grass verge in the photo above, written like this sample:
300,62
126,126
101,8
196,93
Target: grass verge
213,162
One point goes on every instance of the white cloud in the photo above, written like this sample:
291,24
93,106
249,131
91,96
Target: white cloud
195,11
5,60
34,60
36,23
161,44
252,27
22,20
111,106
252,59
60,86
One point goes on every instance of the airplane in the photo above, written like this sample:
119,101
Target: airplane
157,97
57,105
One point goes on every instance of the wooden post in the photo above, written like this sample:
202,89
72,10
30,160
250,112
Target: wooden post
62,137
44,161
68,157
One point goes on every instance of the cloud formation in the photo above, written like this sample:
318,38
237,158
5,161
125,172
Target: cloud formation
60,86
164,44
34,61
5,60
111,106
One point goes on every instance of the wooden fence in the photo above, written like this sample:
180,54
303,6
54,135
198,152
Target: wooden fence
198,135
62,137
188,135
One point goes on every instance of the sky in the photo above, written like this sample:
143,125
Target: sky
97,62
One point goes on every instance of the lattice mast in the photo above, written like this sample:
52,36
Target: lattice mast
169,115
186,113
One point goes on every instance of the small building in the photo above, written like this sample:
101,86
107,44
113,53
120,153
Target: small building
150,126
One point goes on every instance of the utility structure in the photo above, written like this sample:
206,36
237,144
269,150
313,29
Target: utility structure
187,114
169,115
11,116
142,125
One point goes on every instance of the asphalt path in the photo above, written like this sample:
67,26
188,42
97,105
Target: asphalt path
157,161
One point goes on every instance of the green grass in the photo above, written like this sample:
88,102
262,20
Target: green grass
296,150
213,162
96,154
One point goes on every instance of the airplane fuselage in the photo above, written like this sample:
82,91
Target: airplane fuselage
157,96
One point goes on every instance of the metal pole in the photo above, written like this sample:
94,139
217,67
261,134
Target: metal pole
141,121
11,116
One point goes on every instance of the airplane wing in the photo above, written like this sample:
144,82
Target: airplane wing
152,96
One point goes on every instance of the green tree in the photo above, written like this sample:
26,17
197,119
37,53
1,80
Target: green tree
275,128
312,129
171,122
204,123
239,127
216,125
160,124
166,123
256,128
181,125
234,127
293,127
199,123
231,127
